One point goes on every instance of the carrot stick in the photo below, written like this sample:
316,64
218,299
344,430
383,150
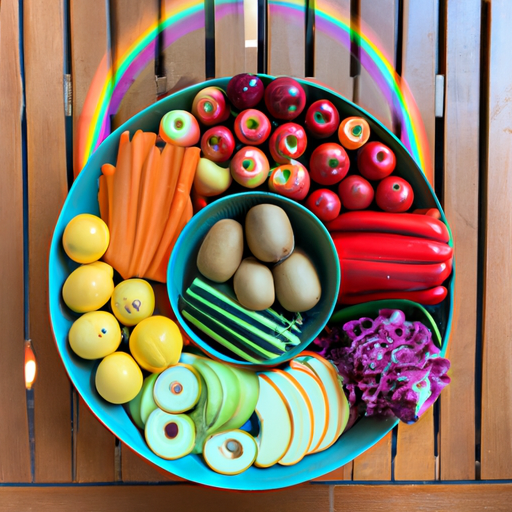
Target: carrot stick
179,202
116,252
108,171
161,272
161,194
149,184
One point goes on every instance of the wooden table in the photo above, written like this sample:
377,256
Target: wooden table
54,454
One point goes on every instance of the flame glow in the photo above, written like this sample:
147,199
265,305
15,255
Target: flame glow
30,365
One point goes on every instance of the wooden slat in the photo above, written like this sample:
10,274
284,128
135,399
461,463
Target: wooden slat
130,20
286,37
229,38
89,56
415,457
343,473
251,35
136,469
497,332
14,448
418,68
375,464
47,188
419,59
332,46
379,24
461,182
183,56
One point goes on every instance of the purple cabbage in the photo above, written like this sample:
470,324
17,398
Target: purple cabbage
390,364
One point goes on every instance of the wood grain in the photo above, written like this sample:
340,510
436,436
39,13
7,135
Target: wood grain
286,38
413,440
332,46
14,447
497,328
375,463
47,188
379,24
136,469
229,38
419,59
90,47
461,199
183,56
130,20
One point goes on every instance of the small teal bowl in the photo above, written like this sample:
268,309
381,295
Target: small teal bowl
310,234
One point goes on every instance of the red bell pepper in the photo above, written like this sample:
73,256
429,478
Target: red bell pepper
428,297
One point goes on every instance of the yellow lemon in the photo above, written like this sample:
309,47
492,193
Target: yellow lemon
118,378
86,238
133,300
88,288
95,335
156,343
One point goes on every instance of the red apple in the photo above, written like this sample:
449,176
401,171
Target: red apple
252,127
289,141
324,203
375,161
218,143
210,106
356,192
249,167
329,163
290,180
285,98
322,119
245,90
394,194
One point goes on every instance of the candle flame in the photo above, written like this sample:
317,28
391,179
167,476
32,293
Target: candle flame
30,365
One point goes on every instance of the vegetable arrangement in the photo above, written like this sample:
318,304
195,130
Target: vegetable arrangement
266,138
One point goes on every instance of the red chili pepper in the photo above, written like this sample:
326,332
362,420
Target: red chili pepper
359,276
390,247
414,224
428,297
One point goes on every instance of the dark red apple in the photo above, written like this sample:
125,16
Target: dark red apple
285,98
245,90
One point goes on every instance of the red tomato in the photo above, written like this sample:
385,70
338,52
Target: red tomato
356,192
324,203
394,195
375,161
329,163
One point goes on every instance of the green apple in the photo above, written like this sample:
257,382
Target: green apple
275,433
177,389
134,409
338,403
211,179
301,413
147,402
170,436
319,402
230,452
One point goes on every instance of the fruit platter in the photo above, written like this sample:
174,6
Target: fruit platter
251,283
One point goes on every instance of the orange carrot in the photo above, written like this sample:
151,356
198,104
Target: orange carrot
108,171
116,252
160,197
180,201
148,184
161,272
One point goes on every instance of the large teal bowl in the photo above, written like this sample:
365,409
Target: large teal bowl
310,234
82,198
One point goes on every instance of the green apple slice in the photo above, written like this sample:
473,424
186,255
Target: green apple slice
248,384
230,452
170,436
147,402
338,402
230,394
177,389
275,433
301,413
319,402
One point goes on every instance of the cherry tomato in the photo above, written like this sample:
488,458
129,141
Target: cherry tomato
394,195
324,203
353,132
290,180
329,163
218,144
375,161
356,192
252,127
289,141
